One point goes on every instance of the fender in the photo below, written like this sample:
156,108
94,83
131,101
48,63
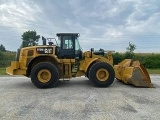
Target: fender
39,58
84,65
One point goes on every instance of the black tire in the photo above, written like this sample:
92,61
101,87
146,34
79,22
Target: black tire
87,73
53,78
108,78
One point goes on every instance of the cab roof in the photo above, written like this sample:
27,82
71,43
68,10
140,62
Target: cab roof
74,34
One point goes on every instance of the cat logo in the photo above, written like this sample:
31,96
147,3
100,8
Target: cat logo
41,50
48,50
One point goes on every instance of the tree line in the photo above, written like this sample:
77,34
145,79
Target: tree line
2,48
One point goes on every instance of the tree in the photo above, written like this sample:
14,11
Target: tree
2,48
130,51
131,48
30,38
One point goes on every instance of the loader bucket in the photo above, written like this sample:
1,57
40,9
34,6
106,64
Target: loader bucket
132,72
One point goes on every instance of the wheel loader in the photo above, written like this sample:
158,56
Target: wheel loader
48,63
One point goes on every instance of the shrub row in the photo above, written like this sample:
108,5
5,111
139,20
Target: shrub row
6,58
149,60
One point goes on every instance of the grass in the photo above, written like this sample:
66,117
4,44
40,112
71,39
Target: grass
3,71
153,71
150,71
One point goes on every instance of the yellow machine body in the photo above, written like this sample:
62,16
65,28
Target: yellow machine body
29,58
46,64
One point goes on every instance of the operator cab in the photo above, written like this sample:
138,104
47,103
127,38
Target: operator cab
68,46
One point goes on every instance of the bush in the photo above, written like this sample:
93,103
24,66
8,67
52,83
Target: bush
129,55
152,61
148,60
117,57
6,58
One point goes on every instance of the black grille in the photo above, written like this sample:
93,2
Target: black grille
30,53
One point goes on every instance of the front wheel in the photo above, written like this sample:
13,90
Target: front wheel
101,74
44,75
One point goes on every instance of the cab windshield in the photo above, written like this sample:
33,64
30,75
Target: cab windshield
77,45
59,41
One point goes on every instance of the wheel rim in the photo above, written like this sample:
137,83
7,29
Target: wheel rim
44,75
102,74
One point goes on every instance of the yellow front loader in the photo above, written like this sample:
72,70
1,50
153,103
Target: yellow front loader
46,64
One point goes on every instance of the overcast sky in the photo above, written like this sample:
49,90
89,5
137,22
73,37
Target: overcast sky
106,24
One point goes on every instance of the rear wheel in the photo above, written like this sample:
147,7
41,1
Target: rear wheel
101,74
44,75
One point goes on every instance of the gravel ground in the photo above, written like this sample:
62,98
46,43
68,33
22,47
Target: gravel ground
77,99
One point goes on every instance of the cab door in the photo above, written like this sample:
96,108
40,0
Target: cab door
67,47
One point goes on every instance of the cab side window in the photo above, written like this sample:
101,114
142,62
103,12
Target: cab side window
67,42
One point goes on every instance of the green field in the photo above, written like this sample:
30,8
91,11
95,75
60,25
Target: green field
3,71
151,71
